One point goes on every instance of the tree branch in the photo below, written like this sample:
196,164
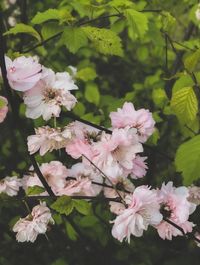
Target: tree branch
13,108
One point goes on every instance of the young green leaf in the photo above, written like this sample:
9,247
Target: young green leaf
82,207
63,205
167,20
35,190
2,103
92,93
104,40
41,17
23,28
192,60
137,22
72,234
73,39
185,105
187,160
62,15
50,29
86,74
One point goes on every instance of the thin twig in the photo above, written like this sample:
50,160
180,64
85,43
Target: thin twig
187,236
106,177
60,33
103,185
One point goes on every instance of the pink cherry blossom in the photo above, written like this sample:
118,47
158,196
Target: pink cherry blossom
141,119
120,148
55,174
81,170
124,187
78,186
23,73
48,139
194,194
82,140
3,108
139,167
49,95
176,207
36,223
76,148
10,185
143,210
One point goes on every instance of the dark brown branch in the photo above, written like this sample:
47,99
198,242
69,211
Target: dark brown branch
74,197
12,105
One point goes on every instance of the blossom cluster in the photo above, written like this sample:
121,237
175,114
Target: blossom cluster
35,223
108,161
44,91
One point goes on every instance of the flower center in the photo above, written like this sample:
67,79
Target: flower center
50,94
165,211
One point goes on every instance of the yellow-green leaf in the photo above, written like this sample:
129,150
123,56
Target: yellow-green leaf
35,190
41,17
187,160
104,40
137,22
191,61
86,74
23,28
73,39
185,105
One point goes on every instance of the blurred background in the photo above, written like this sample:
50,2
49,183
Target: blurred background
144,66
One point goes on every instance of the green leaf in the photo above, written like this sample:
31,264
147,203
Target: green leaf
104,40
50,29
63,205
23,28
2,103
65,16
79,109
191,61
92,93
88,221
82,207
159,97
41,17
137,22
86,74
74,39
72,234
185,105
62,15
187,160
167,20
35,190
